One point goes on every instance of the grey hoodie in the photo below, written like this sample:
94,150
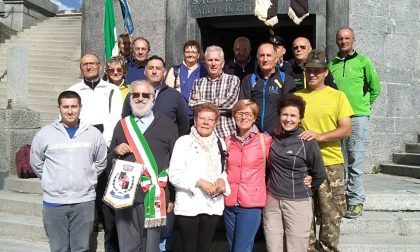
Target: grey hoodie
68,168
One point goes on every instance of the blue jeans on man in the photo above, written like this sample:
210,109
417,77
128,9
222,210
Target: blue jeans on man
241,226
69,227
355,148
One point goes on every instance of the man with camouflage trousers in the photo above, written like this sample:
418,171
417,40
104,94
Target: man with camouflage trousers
327,119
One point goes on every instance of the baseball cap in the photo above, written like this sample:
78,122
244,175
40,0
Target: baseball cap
278,41
316,59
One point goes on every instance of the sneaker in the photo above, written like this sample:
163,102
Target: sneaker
354,211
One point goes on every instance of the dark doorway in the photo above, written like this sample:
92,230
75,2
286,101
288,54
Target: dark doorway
222,31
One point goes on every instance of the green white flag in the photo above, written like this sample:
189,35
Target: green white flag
110,31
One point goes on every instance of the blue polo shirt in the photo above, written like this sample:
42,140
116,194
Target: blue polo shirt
134,71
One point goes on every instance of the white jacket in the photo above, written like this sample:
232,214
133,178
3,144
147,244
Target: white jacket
98,107
189,163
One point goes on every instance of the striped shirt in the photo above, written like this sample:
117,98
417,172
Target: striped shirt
222,92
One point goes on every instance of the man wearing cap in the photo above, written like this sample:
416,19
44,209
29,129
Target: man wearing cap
281,50
242,63
301,47
357,78
266,86
327,120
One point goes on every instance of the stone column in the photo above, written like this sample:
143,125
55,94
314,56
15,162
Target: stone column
176,21
337,16
18,124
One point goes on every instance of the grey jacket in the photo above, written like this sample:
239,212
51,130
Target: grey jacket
291,159
68,168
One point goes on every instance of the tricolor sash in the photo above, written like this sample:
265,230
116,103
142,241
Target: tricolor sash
151,181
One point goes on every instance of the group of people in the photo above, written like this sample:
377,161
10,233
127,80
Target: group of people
250,142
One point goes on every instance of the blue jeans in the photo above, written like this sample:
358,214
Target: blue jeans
241,226
69,227
166,233
355,148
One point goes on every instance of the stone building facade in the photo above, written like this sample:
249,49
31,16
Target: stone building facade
386,31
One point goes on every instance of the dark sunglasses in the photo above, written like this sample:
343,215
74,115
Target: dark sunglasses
143,95
301,47
112,70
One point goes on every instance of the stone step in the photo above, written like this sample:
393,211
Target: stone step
56,68
56,45
22,226
30,186
46,93
33,101
31,228
365,242
11,244
58,22
43,39
406,158
20,203
51,85
56,29
391,193
401,170
43,72
47,36
398,223
412,148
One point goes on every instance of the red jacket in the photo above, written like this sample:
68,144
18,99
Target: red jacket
246,171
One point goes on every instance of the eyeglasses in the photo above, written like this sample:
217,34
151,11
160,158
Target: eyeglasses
143,95
112,70
301,47
244,114
91,64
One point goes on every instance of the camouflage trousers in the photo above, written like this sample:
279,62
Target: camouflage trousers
329,207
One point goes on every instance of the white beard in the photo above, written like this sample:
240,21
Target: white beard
141,109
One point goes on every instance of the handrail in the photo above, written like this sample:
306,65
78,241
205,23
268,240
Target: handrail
3,75
12,10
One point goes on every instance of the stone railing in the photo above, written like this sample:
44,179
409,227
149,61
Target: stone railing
22,14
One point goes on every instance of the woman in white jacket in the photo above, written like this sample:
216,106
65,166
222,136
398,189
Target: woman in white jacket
197,173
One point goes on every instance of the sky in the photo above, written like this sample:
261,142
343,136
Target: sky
67,4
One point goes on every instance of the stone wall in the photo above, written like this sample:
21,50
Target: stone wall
388,32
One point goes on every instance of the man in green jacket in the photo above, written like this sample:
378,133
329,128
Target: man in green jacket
356,76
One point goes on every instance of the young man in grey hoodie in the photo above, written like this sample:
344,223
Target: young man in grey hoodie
68,155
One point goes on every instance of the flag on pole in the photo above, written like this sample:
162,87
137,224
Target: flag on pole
128,23
110,31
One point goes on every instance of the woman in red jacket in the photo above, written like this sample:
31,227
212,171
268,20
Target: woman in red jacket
248,151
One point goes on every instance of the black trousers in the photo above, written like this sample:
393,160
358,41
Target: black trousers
106,215
197,232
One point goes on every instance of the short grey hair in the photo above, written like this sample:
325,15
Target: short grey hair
215,48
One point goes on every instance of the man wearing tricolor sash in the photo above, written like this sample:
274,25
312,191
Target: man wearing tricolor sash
148,138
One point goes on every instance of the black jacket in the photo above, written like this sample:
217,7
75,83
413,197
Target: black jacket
267,98
235,69
291,159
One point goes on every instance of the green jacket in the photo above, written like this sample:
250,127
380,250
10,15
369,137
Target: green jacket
356,76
